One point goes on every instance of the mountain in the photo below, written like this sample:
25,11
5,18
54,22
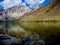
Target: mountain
14,13
46,13
17,11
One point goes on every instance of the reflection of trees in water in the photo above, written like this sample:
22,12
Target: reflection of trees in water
50,30
17,31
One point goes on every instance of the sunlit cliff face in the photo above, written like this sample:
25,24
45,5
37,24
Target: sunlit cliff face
14,9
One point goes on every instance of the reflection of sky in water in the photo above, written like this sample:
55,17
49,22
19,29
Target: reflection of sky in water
28,3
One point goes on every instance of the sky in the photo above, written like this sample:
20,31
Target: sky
4,4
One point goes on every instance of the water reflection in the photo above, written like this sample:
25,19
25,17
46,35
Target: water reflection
31,33
13,29
49,30
41,27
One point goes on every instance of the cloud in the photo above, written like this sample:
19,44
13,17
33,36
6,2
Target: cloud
42,1
10,3
45,2
33,3
29,3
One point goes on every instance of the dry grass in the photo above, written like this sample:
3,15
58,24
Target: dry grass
43,13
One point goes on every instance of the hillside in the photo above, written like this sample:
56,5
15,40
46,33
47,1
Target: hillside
14,12
17,11
49,12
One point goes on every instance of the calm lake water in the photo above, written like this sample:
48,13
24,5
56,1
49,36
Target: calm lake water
36,27
37,30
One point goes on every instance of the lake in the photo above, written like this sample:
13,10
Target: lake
36,30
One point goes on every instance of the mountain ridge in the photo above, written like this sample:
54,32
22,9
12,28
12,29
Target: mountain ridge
49,12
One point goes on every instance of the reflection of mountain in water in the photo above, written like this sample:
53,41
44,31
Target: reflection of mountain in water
18,35
50,30
36,32
13,29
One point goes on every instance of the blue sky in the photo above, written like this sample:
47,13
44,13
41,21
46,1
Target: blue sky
46,2
29,3
1,0
1,7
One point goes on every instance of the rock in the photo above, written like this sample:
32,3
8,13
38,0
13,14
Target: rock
14,13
